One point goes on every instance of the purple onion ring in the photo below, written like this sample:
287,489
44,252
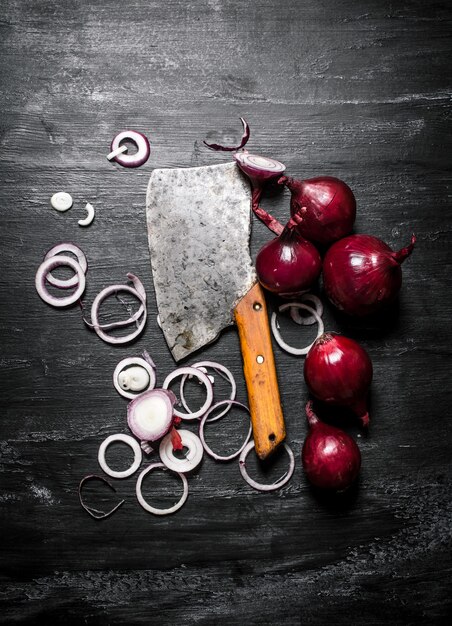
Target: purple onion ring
142,144
47,266
203,378
222,370
148,507
243,141
66,246
260,486
209,451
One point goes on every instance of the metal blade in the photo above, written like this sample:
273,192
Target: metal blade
199,226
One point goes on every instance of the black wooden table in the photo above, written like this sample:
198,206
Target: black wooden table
357,90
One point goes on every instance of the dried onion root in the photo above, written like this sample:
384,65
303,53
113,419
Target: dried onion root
277,335
95,513
154,510
259,486
204,419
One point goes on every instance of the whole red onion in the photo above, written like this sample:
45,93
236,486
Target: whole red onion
331,459
330,207
361,273
288,264
339,371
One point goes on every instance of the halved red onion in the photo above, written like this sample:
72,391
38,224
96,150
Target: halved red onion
223,371
259,169
191,460
50,264
204,419
243,141
150,415
66,246
277,334
259,486
309,319
140,156
152,509
203,378
95,513
138,291
141,377
129,441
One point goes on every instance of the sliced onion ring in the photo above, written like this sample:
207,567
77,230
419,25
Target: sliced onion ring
138,291
310,319
259,169
128,440
203,378
243,141
152,509
260,486
222,370
124,364
131,160
204,419
193,457
66,246
50,264
89,509
277,335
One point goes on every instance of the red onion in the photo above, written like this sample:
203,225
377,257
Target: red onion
361,273
288,264
331,459
44,270
66,246
338,371
150,415
131,160
330,207
243,141
89,509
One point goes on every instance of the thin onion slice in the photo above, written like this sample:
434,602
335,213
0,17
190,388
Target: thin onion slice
203,378
204,419
243,141
66,246
131,160
259,169
129,441
277,334
150,414
90,215
138,291
50,264
192,458
130,362
223,371
310,319
259,486
95,513
152,509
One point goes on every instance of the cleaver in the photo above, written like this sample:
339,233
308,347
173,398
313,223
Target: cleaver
199,222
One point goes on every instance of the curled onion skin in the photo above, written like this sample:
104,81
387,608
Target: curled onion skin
330,207
361,274
243,141
330,457
338,371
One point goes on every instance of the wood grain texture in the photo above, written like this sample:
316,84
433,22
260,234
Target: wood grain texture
260,372
355,90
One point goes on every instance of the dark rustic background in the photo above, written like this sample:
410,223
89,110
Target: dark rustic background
358,90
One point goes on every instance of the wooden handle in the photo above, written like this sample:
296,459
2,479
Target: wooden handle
260,373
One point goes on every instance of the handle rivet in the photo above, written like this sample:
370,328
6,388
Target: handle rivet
260,359
257,306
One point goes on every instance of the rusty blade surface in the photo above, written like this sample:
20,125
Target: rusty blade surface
199,222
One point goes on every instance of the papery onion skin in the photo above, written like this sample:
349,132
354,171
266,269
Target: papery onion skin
330,207
288,264
361,274
331,458
339,371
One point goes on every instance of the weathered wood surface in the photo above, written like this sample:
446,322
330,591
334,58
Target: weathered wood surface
357,90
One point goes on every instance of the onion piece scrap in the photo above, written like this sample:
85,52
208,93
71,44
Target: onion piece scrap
126,364
138,291
243,141
301,319
223,371
132,443
277,335
152,509
131,160
89,509
90,217
193,457
203,378
61,201
260,486
150,414
204,419
114,153
66,246
50,264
